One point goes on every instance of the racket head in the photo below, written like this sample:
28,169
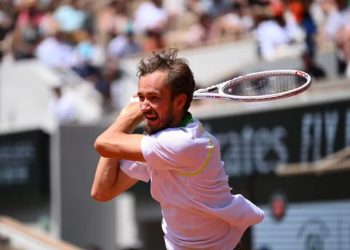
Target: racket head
259,86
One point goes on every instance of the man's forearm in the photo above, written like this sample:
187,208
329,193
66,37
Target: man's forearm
108,168
109,180
118,142
105,178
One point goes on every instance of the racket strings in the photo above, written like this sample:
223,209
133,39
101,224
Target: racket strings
264,85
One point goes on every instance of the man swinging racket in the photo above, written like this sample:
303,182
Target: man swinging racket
178,156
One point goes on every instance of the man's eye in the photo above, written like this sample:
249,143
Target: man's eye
141,98
154,98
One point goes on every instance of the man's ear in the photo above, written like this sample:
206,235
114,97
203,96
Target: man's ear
180,101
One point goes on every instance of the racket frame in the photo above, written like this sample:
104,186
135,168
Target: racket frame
206,93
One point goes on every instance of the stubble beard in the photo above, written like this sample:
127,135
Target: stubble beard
168,121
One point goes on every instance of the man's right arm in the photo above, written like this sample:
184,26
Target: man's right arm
116,143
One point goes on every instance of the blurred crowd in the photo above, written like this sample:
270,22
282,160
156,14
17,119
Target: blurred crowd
92,37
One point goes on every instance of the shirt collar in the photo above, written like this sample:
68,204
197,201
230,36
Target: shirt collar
187,119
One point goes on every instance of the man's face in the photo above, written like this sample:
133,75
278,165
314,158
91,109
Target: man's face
156,102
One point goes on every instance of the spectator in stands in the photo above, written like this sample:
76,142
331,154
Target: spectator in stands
54,51
213,8
196,6
337,30
62,106
236,22
48,25
151,21
6,26
105,21
301,13
124,44
88,52
30,14
310,28
310,66
121,20
344,41
153,40
112,20
102,81
274,34
121,87
70,17
217,8
26,35
6,20
100,78
151,16
202,31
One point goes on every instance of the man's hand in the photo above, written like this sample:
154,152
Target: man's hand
133,110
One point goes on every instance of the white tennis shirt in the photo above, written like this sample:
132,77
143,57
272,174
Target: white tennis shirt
188,180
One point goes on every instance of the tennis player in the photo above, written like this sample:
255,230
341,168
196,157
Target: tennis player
179,158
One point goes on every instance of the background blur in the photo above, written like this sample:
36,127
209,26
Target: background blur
68,67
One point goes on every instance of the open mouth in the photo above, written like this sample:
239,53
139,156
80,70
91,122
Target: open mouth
151,116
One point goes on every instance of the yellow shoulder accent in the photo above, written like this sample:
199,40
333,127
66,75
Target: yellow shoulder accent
205,163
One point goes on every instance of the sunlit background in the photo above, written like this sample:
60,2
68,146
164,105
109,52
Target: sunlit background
68,67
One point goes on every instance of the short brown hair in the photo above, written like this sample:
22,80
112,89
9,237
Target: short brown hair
180,78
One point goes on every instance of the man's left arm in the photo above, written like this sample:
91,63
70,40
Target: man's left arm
109,180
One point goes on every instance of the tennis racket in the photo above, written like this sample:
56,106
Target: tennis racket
259,86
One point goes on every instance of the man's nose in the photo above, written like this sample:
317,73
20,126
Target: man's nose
145,105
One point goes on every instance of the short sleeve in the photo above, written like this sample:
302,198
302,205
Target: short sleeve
135,170
175,150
